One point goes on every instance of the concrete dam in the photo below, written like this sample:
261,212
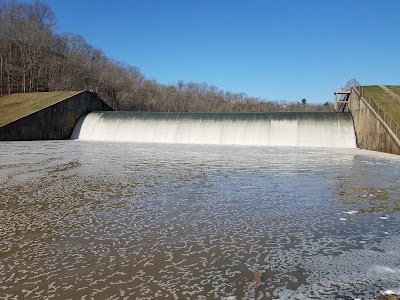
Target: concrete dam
362,120
298,129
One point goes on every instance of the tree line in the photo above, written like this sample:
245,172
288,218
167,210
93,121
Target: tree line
34,58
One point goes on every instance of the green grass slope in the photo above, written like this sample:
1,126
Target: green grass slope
395,89
16,106
390,105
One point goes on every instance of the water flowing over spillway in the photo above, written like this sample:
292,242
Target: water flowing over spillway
308,129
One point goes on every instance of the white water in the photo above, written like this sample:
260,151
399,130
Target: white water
295,129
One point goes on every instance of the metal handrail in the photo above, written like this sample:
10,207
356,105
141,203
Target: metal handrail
392,124
347,87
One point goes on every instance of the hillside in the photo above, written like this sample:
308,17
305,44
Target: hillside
35,57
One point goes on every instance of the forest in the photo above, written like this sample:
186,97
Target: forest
34,58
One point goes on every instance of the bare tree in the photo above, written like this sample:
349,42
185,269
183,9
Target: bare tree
34,58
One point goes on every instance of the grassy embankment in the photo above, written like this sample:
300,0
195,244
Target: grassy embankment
390,105
16,106
395,89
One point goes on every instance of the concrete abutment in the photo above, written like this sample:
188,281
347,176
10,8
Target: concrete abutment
55,122
372,133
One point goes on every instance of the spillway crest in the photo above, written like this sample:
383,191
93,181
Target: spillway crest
305,129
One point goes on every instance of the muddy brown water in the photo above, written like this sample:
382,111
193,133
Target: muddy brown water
85,220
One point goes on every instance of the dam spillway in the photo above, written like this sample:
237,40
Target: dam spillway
298,129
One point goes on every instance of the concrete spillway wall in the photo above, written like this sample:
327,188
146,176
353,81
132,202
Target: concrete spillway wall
372,133
54,122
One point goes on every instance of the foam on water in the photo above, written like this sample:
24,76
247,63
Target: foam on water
115,220
266,129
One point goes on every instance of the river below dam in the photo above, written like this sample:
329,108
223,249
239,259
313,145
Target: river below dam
121,220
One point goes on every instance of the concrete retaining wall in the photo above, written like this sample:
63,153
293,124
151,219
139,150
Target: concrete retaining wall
371,131
55,122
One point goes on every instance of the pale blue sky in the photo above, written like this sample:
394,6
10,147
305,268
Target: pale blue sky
278,50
